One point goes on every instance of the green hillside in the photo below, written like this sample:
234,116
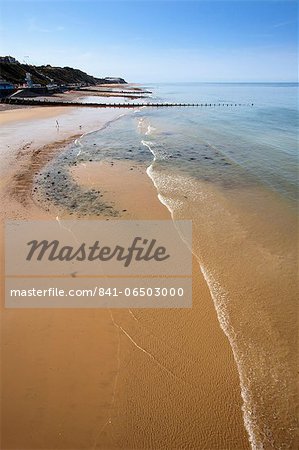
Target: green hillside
16,72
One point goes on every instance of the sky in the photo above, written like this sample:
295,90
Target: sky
158,40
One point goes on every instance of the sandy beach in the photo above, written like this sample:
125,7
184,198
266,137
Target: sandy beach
149,225
121,379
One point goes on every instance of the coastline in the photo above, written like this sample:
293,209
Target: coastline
204,402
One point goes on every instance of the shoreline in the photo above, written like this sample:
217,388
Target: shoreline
268,272
126,328
222,322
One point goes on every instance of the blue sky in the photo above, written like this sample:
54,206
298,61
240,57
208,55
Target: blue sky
156,40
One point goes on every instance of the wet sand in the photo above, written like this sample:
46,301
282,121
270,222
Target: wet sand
121,379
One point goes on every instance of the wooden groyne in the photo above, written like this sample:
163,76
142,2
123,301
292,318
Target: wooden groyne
44,102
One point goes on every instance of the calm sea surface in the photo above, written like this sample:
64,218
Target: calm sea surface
256,143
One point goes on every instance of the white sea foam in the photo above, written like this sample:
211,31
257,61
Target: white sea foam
266,377
150,130
219,296
221,299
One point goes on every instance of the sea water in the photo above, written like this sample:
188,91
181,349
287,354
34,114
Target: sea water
233,171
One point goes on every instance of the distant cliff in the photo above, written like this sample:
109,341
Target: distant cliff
15,73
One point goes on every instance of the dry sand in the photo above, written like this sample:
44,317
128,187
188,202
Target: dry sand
121,379
19,115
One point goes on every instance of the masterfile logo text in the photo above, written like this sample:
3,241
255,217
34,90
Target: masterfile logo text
94,264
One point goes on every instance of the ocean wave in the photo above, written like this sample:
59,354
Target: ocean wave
175,191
